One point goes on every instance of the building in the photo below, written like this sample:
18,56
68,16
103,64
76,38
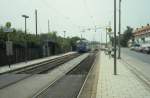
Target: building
142,35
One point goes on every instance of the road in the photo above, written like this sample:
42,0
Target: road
137,55
138,60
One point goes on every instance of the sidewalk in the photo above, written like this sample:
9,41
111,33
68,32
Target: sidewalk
124,85
36,61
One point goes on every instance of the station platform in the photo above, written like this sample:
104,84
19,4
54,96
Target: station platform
124,85
102,83
6,68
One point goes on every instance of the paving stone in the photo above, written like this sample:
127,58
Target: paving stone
124,85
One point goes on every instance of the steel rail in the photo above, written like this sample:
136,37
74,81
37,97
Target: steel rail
46,88
58,63
87,77
33,65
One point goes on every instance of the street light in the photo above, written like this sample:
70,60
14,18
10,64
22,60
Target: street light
25,16
26,47
119,52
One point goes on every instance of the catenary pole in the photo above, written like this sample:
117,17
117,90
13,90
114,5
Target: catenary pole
115,60
36,22
48,26
119,33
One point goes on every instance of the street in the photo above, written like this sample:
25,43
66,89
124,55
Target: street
138,60
145,58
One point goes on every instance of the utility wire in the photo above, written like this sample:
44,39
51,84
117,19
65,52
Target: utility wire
58,12
88,11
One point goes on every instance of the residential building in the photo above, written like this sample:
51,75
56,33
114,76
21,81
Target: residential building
142,35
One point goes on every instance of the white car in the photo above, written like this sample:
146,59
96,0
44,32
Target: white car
146,48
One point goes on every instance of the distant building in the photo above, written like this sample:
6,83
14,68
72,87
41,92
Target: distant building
142,35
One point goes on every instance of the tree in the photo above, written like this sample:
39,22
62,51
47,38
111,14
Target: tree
74,40
128,34
8,24
18,37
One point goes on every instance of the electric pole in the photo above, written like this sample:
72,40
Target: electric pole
81,36
106,36
64,42
115,59
48,26
119,51
36,22
64,34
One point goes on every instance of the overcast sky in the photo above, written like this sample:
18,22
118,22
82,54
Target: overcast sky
73,15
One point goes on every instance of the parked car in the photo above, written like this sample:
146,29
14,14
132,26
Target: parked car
146,48
140,48
132,48
135,47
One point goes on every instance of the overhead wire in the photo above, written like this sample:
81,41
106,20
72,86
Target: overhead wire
66,18
63,16
88,11
58,12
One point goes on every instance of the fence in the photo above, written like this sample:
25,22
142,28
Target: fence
19,54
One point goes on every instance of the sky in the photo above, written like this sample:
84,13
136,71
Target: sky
73,16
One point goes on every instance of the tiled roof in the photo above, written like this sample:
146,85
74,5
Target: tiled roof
142,30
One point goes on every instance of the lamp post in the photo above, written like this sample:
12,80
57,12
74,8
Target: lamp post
119,51
26,47
115,60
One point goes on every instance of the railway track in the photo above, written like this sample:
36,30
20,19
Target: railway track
12,77
40,66
47,66
72,81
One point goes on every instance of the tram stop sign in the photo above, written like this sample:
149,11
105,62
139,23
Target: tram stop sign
9,48
8,30
9,44
109,29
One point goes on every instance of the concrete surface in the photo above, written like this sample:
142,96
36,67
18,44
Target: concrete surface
140,61
124,85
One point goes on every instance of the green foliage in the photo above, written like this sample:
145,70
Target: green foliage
126,36
3,36
63,44
8,24
20,38
73,40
